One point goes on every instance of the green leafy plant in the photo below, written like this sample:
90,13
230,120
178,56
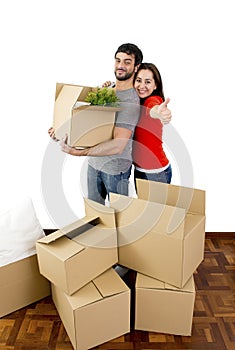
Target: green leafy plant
102,96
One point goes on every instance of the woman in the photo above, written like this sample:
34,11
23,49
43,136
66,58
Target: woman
149,159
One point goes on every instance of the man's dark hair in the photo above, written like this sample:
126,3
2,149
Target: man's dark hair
131,49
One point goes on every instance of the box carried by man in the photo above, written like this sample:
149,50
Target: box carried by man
86,125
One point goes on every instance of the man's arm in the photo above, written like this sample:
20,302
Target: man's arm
117,145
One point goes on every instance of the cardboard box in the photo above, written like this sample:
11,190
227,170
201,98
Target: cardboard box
97,313
161,240
73,256
160,307
188,198
85,125
21,284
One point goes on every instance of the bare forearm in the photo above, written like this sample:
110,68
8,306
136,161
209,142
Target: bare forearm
108,148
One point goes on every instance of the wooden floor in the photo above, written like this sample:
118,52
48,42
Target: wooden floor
38,326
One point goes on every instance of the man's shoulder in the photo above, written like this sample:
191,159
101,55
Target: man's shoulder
128,95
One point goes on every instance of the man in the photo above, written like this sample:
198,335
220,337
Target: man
110,162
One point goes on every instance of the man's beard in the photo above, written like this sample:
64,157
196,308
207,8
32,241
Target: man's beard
124,77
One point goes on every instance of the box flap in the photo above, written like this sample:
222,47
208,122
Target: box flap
105,214
141,216
110,283
84,296
191,221
189,286
99,236
66,98
82,94
191,199
62,249
143,281
76,227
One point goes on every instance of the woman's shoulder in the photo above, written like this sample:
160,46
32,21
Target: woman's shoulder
152,101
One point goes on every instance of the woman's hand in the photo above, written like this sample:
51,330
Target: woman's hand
107,84
64,145
51,133
71,150
162,112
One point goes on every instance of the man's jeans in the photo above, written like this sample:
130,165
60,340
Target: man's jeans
100,184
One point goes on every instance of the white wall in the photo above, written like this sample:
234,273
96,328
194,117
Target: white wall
43,42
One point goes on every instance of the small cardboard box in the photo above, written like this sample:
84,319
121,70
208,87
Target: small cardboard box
86,125
97,313
73,256
162,308
161,240
21,284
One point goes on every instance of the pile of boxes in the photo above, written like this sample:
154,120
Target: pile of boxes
92,300
160,235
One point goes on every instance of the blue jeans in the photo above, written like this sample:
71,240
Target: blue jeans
164,176
100,184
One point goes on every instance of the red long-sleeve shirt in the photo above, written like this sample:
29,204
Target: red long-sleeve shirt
148,151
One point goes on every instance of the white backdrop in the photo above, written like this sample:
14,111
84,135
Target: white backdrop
191,42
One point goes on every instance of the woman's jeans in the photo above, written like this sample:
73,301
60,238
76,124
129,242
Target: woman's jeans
164,176
100,184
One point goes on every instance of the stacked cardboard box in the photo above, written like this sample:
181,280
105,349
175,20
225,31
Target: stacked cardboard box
21,284
92,300
73,256
161,235
86,125
163,308
96,313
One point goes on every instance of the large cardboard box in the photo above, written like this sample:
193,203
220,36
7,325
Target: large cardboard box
162,308
97,313
73,256
86,125
161,240
21,284
188,198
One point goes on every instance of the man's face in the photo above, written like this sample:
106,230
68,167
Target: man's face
124,66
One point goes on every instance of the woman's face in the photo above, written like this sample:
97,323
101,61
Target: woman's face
144,83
